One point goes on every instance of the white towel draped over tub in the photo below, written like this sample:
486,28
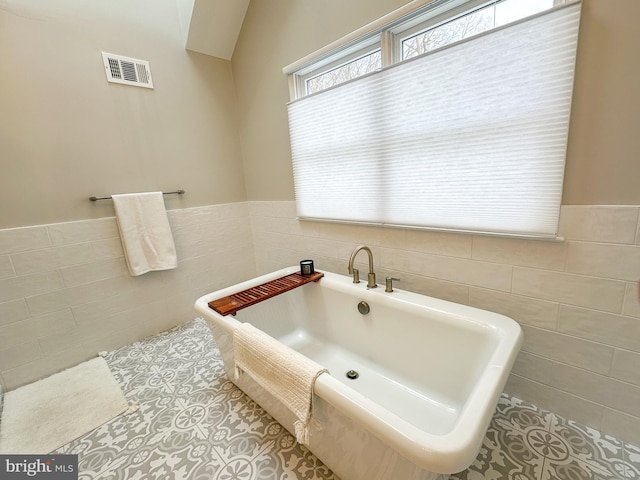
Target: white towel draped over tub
286,374
145,232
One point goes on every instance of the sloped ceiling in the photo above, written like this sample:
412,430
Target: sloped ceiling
215,26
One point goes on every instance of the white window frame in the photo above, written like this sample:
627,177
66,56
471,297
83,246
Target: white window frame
432,18
387,34
333,62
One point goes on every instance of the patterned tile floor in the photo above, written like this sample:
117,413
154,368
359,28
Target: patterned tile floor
195,424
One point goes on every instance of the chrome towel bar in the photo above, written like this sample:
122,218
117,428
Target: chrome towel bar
108,197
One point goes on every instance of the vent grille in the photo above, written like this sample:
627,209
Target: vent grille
127,71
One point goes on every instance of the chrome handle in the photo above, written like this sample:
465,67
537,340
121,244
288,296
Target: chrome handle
388,283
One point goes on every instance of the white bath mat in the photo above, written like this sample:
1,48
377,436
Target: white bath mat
43,416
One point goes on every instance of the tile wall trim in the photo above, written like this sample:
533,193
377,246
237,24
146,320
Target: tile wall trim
577,299
66,294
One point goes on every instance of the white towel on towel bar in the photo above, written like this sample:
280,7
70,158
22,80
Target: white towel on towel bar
286,374
145,232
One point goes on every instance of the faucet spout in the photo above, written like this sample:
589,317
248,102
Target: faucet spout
371,278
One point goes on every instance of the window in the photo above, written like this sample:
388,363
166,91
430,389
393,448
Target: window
367,63
469,24
455,117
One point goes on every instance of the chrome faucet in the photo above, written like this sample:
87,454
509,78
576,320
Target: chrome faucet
371,278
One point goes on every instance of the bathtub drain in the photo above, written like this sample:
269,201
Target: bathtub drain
352,374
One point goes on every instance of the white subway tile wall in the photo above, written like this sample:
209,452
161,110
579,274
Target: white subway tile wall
66,294
576,299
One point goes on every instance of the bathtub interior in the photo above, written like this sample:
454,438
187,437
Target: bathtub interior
422,369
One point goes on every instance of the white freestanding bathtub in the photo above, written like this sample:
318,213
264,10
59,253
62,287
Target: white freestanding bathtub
430,373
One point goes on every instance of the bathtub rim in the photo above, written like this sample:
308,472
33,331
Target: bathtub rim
445,453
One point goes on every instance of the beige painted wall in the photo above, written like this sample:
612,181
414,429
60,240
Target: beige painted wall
603,166
276,33
66,134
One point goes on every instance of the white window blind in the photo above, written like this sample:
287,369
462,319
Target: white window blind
471,137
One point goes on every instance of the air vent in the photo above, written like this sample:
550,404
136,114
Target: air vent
128,71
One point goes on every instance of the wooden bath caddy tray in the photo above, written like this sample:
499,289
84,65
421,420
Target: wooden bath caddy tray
251,296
